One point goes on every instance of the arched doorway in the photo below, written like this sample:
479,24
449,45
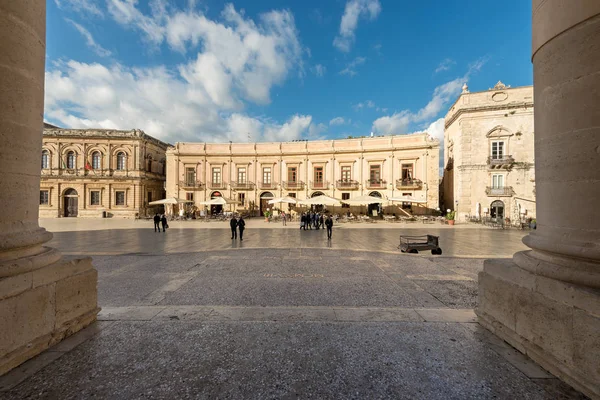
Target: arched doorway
70,198
264,202
497,210
216,208
374,206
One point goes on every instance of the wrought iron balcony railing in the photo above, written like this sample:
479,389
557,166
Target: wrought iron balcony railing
324,185
376,184
191,184
267,185
242,185
293,185
347,184
500,162
217,185
499,191
414,184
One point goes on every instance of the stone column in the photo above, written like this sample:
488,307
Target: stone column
546,301
42,297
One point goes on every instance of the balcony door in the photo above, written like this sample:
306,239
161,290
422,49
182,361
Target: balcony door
497,150
375,174
318,177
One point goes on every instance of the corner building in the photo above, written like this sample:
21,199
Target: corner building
97,172
251,173
489,155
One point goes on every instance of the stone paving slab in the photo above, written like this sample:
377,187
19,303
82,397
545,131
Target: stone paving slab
267,360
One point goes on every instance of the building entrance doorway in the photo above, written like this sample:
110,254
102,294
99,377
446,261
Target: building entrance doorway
216,209
70,203
374,206
497,210
264,202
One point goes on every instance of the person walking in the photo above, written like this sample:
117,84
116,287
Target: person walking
233,225
321,222
156,222
284,218
163,220
241,226
329,225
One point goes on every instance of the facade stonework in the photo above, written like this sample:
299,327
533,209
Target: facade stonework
86,173
489,154
252,172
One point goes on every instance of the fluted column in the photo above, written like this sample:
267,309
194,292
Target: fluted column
43,298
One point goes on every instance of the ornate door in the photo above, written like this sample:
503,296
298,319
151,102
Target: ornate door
70,203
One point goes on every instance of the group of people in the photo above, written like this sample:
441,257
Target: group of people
160,220
235,224
316,220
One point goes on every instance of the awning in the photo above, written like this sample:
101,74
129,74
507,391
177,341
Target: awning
218,201
408,199
169,200
321,200
358,201
289,200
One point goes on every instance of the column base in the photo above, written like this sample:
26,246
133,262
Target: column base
557,324
40,308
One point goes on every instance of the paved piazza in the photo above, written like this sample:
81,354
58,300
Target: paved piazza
284,314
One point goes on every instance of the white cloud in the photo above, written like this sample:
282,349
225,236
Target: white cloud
399,122
337,121
89,39
350,69
436,129
238,61
353,11
366,104
445,65
319,70
80,6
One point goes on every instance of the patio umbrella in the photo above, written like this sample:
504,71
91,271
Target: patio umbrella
289,200
218,201
169,200
362,200
321,200
407,199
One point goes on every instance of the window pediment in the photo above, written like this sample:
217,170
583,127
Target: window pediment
499,132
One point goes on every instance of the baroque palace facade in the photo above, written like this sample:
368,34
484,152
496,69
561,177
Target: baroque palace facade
489,154
252,173
97,172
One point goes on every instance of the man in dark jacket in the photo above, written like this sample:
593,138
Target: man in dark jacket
164,222
156,222
233,224
241,226
329,225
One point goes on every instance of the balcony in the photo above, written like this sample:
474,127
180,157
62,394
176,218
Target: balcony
267,185
293,185
500,162
191,185
346,184
245,185
376,184
217,185
323,185
505,191
409,184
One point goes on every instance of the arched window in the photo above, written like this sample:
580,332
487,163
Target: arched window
45,159
96,160
121,160
71,160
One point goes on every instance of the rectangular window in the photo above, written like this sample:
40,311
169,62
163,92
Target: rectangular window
95,198
319,175
149,197
189,196
216,175
497,181
375,173
120,198
44,197
267,175
242,199
497,150
190,176
346,173
292,195
407,172
292,174
345,196
241,175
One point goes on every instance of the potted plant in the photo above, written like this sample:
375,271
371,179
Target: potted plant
450,217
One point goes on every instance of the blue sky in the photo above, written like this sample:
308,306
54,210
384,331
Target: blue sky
277,69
